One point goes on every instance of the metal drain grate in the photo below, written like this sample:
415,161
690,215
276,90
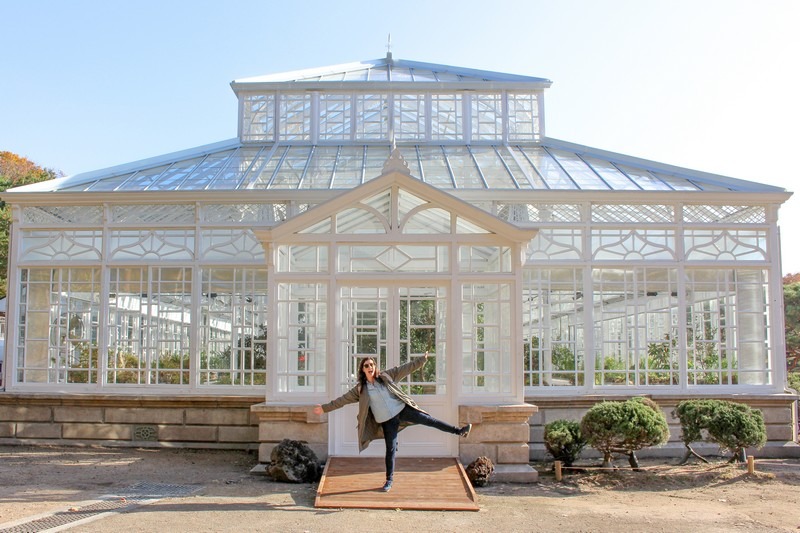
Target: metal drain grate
128,498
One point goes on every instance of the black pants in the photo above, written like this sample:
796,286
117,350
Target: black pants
411,415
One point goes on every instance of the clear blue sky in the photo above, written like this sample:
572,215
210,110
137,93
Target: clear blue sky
706,84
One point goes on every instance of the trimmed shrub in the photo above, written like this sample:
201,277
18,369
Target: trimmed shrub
624,427
733,426
564,441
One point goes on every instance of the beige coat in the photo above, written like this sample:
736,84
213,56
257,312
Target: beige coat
368,428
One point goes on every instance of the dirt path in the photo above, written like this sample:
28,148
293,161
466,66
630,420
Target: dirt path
227,497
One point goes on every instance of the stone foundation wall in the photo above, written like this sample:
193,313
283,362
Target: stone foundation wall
290,421
780,417
135,421
499,432
509,435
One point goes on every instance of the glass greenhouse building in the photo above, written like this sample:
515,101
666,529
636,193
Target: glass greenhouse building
211,297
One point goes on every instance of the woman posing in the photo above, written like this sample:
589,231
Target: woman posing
384,409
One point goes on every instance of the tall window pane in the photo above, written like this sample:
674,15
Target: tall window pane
58,314
233,326
148,322
636,326
553,327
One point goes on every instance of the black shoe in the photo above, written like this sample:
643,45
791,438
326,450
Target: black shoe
387,486
464,432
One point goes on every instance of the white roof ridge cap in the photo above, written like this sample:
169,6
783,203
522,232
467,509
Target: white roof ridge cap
312,72
305,74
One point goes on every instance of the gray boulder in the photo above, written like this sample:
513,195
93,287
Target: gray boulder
295,462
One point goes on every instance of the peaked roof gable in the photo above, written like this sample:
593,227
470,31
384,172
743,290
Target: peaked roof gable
395,178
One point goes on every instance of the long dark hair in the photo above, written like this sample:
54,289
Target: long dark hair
362,377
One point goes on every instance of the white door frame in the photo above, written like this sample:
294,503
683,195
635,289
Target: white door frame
414,441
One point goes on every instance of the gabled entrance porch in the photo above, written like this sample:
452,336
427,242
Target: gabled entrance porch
393,269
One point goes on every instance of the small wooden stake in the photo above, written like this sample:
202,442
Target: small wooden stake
751,464
557,467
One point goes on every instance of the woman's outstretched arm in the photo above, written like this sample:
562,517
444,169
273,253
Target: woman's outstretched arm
350,396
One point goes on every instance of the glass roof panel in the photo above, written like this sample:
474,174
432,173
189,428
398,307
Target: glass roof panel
374,160
290,172
538,166
465,171
491,165
683,184
349,170
434,167
401,74
578,170
611,174
320,168
423,74
520,178
548,168
356,75
144,178
174,175
448,76
534,179
644,179
106,184
338,76
234,171
261,175
206,170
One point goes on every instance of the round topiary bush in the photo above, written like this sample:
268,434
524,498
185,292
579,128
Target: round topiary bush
564,441
624,427
734,426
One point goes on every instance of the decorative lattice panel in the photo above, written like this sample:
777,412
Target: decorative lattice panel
231,244
633,245
160,244
725,245
556,244
63,214
250,213
153,214
525,213
61,245
633,213
729,214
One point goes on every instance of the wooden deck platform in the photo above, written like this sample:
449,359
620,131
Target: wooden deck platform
420,483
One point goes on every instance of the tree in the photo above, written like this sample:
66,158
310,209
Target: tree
15,171
624,427
791,310
734,426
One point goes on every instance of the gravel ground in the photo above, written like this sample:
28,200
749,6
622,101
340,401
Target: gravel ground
220,494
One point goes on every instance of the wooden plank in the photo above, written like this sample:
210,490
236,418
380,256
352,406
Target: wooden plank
422,483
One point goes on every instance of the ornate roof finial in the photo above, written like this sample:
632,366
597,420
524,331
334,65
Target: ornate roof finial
395,162
389,48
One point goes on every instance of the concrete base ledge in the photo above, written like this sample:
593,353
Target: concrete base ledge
515,474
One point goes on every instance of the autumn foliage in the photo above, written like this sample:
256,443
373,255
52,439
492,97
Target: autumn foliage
15,171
